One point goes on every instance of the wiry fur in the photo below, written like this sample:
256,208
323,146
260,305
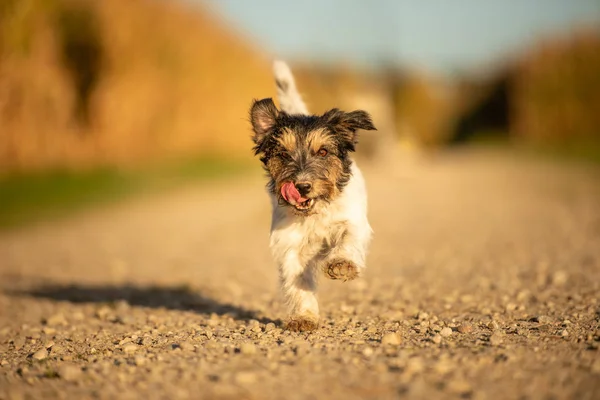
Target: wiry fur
329,232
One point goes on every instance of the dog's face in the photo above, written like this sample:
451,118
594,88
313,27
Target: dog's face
306,156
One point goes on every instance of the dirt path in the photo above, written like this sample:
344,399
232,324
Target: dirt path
483,282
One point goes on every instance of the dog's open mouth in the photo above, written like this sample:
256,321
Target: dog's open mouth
294,198
305,205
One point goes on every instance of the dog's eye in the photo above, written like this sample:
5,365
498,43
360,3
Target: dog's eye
322,152
285,155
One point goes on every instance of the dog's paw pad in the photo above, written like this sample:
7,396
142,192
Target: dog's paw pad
341,269
301,325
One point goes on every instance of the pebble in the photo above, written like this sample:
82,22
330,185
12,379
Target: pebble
69,372
559,278
56,319
368,351
40,355
496,339
391,339
244,377
186,346
103,312
446,332
139,360
247,348
459,386
130,348
437,339
465,328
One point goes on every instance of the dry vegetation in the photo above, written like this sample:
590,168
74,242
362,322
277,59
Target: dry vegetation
88,83
94,83
557,91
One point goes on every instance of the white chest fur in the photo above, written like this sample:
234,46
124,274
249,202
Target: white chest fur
306,237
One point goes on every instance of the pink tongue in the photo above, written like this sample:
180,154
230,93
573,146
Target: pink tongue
291,194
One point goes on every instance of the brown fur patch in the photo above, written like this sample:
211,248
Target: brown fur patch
318,139
301,325
288,140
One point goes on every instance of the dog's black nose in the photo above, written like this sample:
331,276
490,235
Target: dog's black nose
303,188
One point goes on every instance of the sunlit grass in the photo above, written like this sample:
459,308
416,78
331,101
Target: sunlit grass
30,197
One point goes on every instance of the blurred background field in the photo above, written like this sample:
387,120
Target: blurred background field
102,99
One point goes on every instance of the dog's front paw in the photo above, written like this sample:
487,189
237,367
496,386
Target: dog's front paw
341,269
300,324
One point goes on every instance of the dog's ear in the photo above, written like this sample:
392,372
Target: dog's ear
263,116
347,123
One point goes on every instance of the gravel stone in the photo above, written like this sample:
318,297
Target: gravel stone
39,355
69,373
446,332
496,339
130,348
432,270
391,339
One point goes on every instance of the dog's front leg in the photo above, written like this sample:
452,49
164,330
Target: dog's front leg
346,258
298,284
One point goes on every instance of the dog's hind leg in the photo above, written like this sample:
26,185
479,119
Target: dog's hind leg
290,100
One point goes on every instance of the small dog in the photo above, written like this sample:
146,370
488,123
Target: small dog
318,194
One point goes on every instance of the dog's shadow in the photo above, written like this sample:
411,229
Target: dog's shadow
173,298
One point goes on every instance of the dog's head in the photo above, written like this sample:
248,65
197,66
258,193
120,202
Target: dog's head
306,156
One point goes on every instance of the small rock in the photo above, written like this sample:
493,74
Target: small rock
247,348
465,328
511,307
186,346
69,372
49,331
391,339
446,332
139,360
103,312
269,327
56,319
564,333
437,339
459,386
40,355
78,316
422,316
493,325
244,377
496,339
130,348
559,278
414,366
367,351
372,329
542,319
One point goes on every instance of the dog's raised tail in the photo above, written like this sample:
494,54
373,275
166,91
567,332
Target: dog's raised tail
290,100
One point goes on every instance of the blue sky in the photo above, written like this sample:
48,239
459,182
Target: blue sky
441,35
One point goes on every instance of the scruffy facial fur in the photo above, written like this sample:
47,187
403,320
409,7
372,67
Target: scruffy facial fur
306,149
319,222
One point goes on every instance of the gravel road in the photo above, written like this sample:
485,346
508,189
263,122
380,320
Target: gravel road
483,282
